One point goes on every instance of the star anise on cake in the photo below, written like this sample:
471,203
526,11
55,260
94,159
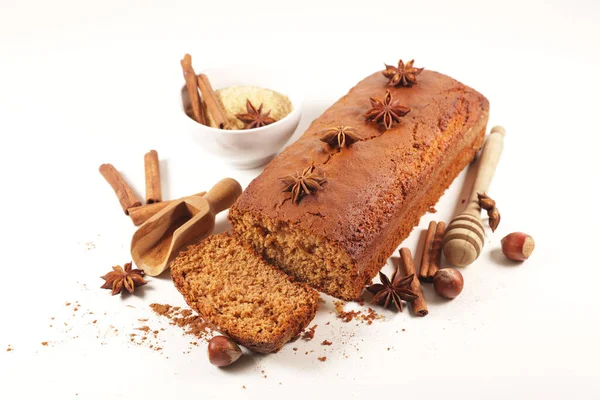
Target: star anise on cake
340,136
394,291
403,75
119,279
301,184
386,112
254,118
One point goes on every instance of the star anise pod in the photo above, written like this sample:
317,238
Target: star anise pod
302,184
393,291
119,279
403,75
488,204
485,201
340,136
255,118
386,112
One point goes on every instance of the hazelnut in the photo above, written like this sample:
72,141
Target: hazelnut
518,246
448,282
223,351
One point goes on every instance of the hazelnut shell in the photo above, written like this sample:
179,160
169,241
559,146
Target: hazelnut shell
518,246
448,282
223,351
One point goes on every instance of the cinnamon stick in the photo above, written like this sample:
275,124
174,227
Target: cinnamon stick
436,250
192,87
124,193
425,259
418,305
212,102
141,214
152,172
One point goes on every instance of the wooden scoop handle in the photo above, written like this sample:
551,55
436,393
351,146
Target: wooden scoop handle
223,194
488,162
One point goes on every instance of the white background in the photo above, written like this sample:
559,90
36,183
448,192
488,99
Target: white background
83,83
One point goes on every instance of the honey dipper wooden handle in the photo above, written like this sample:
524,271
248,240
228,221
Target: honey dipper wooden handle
223,194
490,155
465,235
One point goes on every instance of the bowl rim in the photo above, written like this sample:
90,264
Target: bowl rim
297,106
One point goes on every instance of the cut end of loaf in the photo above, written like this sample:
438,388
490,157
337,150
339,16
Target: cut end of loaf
229,285
316,261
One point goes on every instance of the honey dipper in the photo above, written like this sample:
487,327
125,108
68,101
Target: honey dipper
185,221
464,236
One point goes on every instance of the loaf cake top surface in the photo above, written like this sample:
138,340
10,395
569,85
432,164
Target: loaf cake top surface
366,182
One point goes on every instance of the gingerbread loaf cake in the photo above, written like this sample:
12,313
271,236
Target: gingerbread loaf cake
232,287
374,191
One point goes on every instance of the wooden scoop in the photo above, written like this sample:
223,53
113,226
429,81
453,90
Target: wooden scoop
185,221
464,237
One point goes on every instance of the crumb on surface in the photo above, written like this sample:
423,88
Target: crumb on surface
44,343
322,359
347,316
326,343
310,333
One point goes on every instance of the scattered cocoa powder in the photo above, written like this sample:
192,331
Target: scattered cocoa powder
326,343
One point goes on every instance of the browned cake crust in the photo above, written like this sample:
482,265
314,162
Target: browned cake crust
377,189
232,287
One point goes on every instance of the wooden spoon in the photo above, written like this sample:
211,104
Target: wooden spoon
185,221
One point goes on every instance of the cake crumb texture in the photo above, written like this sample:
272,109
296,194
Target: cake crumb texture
232,287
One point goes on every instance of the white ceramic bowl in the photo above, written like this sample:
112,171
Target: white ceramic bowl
252,147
